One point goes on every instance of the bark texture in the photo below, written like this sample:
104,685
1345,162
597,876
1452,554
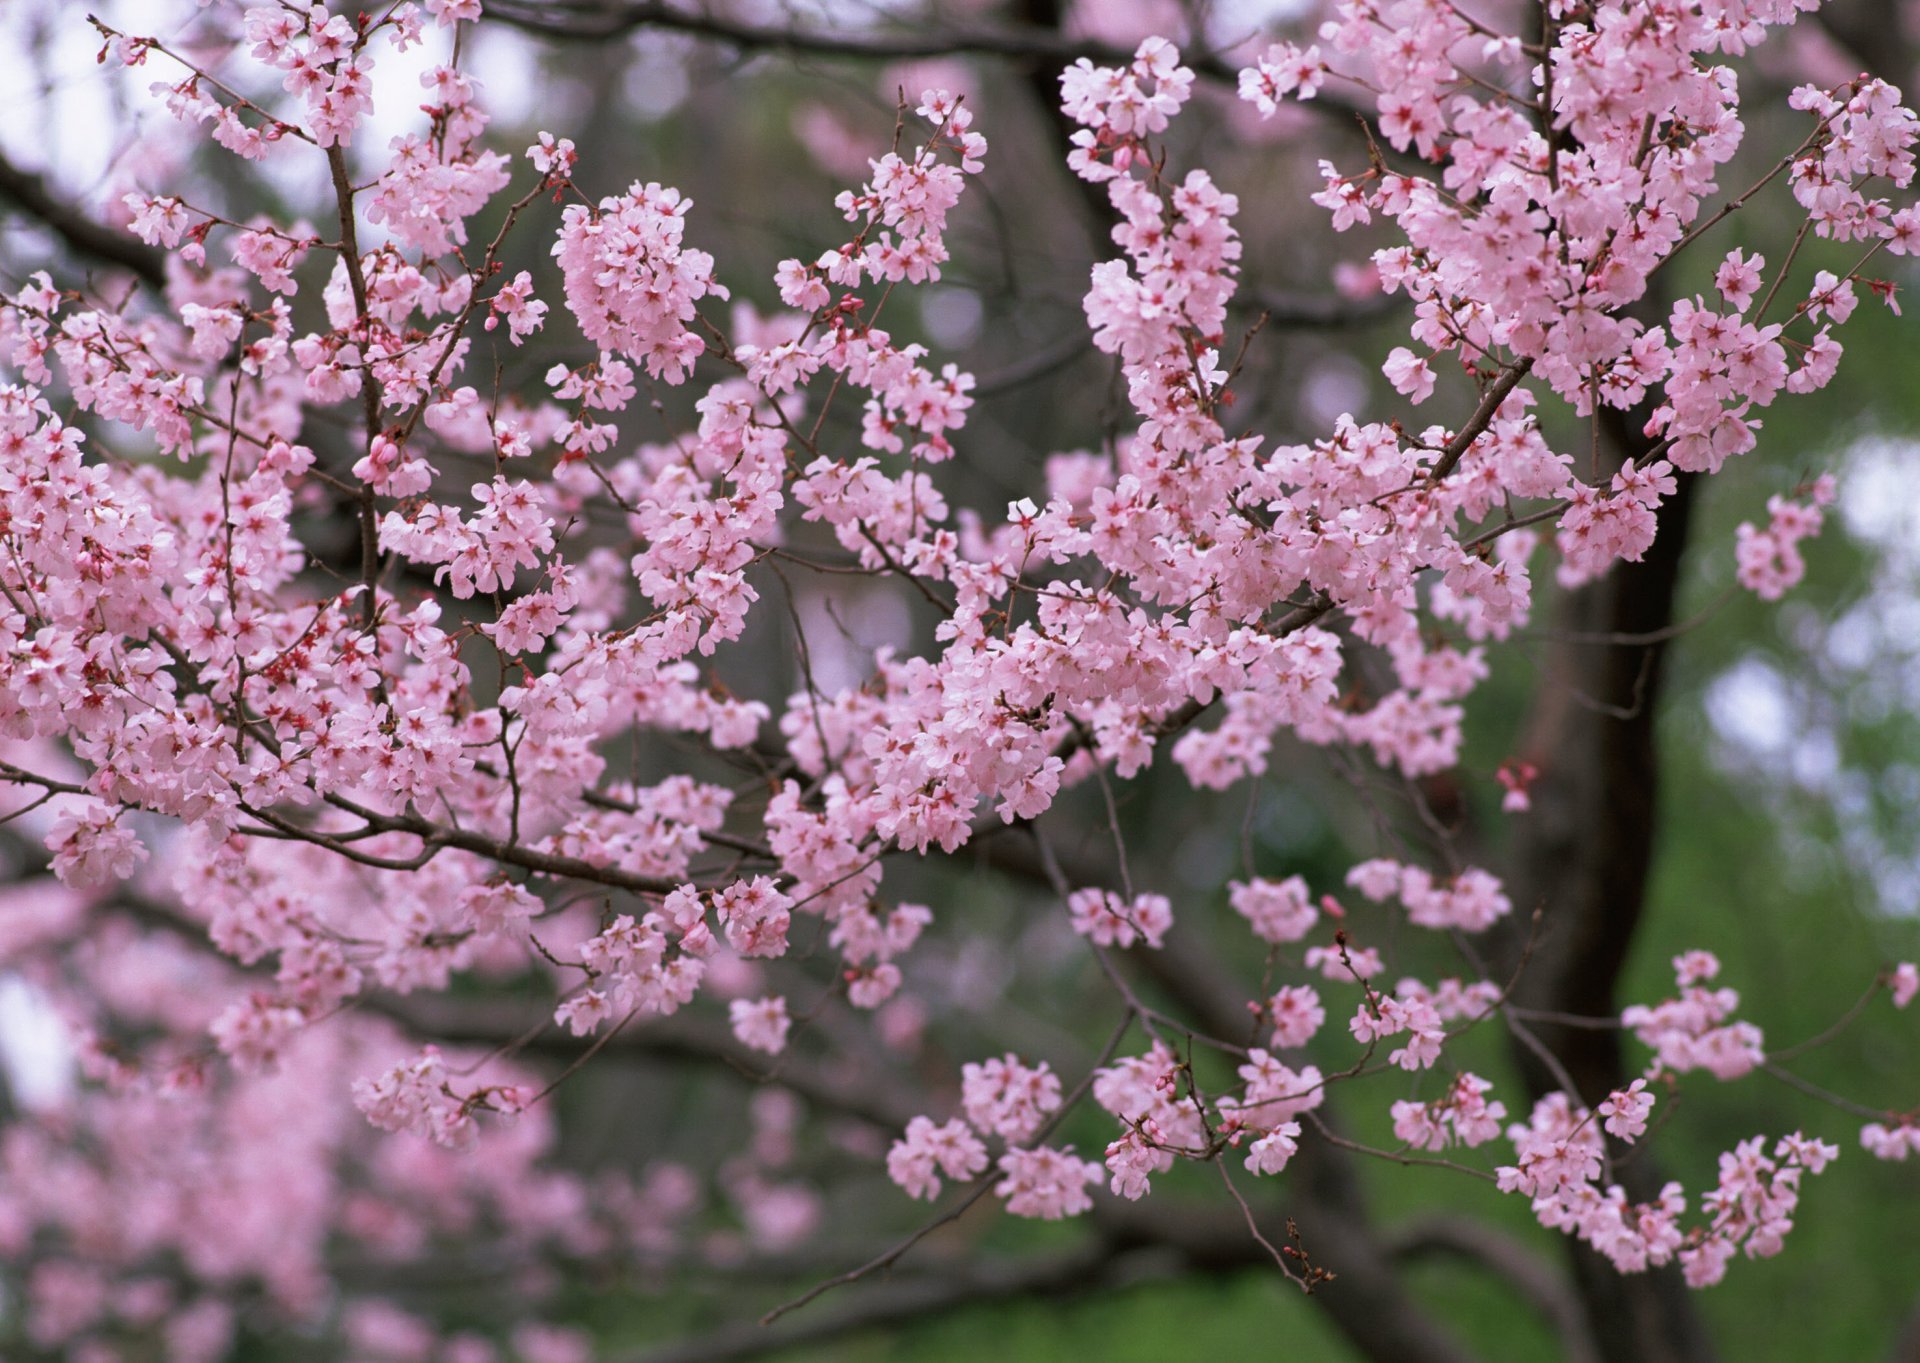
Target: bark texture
1583,857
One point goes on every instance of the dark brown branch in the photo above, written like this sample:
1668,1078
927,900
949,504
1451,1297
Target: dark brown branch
583,20
1320,311
681,1038
1482,417
435,835
1515,1264
1091,1268
29,194
590,21
369,386
1906,1345
1138,1242
1584,854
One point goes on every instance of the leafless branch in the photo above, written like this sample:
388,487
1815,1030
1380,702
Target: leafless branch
679,1038
29,194
1514,1263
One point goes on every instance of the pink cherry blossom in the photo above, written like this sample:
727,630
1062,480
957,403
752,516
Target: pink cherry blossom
1046,1183
761,1023
926,1152
374,657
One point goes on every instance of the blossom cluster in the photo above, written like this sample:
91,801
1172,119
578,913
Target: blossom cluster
1693,1031
346,781
1009,1100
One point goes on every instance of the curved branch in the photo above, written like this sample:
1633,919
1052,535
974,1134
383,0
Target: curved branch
1137,1243
29,193
1509,1260
680,1038
584,21
1584,855
594,22
1368,1301
1321,311
902,1302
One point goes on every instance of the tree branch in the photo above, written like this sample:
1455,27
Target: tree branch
900,1302
679,1038
1320,311
1906,1345
585,21
1509,1260
594,22
1368,1301
1584,854
29,193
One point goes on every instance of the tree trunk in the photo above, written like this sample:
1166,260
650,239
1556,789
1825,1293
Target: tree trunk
1582,856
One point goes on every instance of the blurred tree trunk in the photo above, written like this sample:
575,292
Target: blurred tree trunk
1582,856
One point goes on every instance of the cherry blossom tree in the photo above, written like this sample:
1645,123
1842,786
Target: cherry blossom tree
427,684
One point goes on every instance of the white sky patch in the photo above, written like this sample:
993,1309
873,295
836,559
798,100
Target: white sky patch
62,113
1234,20
656,81
1877,637
1880,497
1336,386
952,316
36,1052
1749,706
508,70
844,630
80,121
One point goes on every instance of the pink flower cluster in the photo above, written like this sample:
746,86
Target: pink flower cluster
1471,901
917,1160
1464,1116
1752,1209
1769,560
1383,1016
652,966
1893,1141
630,282
1296,1016
1107,920
1010,1100
1503,256
406,776
1144,1092
1560,1156
1274,1095
1277,911
1692,1031
414,1096
1119,108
